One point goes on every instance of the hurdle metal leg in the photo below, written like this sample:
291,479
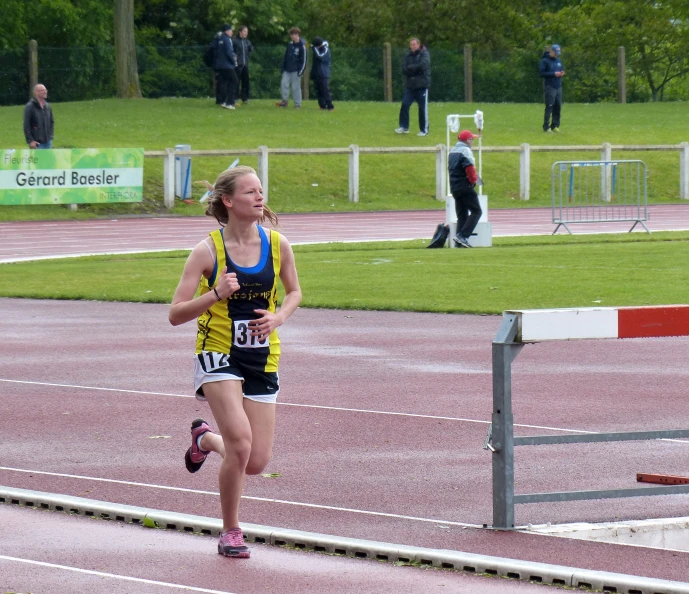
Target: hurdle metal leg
505,350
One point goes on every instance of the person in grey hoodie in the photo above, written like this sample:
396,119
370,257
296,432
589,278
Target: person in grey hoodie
242,49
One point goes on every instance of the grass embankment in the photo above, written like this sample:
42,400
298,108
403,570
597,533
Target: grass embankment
518,273
319,183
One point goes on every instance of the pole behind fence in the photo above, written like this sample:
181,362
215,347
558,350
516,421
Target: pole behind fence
468,80
387,71
621,76
33,66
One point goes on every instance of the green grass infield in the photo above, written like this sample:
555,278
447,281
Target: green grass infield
319,183
517,273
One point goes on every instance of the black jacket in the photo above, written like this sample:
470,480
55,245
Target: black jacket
295,57
547,69
320,68
224,53
39,125
242,49
416,68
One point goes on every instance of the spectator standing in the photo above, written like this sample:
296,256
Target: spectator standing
416,68
463,179
552,71
320,73
39,126
225,64
209,59
293,66
242,49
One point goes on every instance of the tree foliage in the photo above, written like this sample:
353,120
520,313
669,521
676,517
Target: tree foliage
510,33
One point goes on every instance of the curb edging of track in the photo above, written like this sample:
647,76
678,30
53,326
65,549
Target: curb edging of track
558,575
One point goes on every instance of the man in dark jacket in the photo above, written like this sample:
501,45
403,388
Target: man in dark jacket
416,68
463,179
320,73
552,71
225,64
242,49
39,126
293,66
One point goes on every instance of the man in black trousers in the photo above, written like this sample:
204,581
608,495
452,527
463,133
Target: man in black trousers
242,49
225,64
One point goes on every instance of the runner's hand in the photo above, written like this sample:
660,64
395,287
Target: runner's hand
227,284
263,326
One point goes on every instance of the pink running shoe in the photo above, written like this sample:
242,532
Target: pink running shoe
231,544
195,456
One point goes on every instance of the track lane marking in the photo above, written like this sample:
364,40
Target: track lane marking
315,406
322,407
247,497
111,575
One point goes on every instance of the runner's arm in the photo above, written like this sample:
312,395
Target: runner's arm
185,307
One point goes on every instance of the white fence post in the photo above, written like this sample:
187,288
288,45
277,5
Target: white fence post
606,173
169,178
263,170
441,172
684,171
354,173
525,172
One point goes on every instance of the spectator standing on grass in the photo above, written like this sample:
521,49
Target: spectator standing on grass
235,271
39,125
463,179
242,49
320,73
209,58
293,66
552,71
225,64
416,68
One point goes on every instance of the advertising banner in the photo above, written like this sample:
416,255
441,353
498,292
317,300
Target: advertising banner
71,176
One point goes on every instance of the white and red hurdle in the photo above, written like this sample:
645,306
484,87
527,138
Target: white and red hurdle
529,326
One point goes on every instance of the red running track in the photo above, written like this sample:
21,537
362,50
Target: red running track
380,426
30,240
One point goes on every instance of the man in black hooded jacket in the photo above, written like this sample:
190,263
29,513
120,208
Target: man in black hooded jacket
552,71
416,69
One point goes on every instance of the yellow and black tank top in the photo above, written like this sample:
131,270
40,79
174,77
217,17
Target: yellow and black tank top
224,328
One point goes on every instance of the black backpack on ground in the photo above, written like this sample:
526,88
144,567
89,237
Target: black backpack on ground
440,236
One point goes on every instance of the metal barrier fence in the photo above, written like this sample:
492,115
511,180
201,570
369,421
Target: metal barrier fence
599,192
528,326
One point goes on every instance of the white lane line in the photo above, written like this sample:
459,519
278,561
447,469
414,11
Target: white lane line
315,406
247,497
111,575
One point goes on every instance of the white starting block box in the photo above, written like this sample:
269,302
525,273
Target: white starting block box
483,234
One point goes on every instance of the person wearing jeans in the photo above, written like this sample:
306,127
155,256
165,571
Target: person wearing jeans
416,69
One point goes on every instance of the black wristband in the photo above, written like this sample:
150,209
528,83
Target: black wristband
216,294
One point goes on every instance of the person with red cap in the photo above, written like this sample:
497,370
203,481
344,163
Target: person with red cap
463,179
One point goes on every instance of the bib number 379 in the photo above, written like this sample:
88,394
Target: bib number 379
243,337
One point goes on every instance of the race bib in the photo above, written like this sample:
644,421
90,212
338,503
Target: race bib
243,337
214,361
